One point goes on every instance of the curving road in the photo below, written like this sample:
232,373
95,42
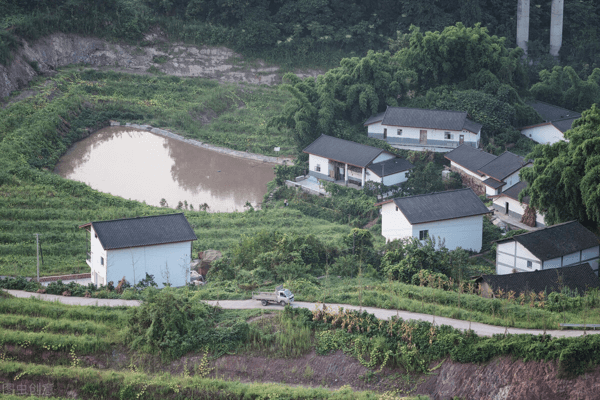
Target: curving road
479,328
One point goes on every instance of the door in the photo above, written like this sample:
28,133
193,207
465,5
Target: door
506,206
385,133
461,139
423,137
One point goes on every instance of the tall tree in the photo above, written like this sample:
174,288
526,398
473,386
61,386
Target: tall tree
564,182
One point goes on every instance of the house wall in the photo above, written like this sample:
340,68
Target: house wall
97,252
543,134
515,209
411,136
466,171
313,161
133,263
489,191
382,157
591,256
394,179
513,256
466,233
394,224
511,180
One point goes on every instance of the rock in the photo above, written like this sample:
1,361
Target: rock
66,293
42,290
206,259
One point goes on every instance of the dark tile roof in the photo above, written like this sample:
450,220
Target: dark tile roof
513,192
375,118
557,240
491,182
427,119
391,166
564,125
441,206
579,277
469,157
143,231
359,155
549,112
502,166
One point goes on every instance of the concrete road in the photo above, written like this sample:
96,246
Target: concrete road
479,328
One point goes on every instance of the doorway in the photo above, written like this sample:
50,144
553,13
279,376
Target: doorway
384,133
506,208
461,139
423,137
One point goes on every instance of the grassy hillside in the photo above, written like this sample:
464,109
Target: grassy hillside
34,133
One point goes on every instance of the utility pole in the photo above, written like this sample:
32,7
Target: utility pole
37,242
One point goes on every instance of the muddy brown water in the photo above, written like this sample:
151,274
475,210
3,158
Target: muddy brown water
140,165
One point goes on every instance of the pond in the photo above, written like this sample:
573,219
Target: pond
140,165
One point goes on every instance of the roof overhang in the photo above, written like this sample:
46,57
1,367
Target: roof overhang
536,126
383,202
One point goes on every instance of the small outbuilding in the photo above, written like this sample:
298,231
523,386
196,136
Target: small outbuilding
507,203
557,246
578,278
455,217
557,121
158,245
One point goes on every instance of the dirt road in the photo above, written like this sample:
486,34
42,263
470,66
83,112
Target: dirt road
479,328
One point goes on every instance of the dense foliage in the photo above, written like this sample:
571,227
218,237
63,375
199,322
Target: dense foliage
564,182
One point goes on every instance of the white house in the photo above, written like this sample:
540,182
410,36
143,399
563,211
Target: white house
485,172
336,160
419,129
557,121
556,246
159,245
455,217
508,203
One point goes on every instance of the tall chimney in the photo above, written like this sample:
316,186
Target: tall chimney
523,24
556,26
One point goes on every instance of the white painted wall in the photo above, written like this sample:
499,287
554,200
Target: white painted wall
97,251
466,171
415,133
466,233
394,224
157,260
313,161
544,134
513,205
382,157
389,180
511,180
512,255
489,191
554,263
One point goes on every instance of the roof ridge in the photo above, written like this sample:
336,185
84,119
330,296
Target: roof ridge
544,228
432,193
428,109
552,105
359,144
145,216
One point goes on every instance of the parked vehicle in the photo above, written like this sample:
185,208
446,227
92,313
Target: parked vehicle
280,295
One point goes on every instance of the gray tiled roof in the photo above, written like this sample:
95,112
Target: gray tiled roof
427,119
557,240
143,231
375,118
513,192
359,155
469,157
564,125
549,112
491,182
391,166
578,277
441,206
503,166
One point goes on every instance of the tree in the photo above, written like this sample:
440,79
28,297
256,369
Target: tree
564,182
563,87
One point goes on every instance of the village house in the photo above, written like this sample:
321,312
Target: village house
557,121
343,161
577,278
419,129
484,172
455,217
158,245
557,246
507,203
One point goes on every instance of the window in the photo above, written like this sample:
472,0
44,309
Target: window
447,135
101,260
399,132
396,208
318,168
96,235
529,264
423,235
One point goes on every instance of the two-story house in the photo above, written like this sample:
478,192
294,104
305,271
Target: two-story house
420,129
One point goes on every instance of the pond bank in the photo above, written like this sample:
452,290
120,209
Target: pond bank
197,143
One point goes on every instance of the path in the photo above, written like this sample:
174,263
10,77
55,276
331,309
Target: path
479,328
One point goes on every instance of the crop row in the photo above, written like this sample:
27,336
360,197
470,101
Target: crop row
82,344
64,326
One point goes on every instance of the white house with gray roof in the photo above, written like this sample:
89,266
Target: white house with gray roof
338,160
558,246
453,217
485,172
159,245
557,121
419,129
507,203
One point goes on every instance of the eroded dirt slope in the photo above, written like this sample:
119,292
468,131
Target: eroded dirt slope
58,50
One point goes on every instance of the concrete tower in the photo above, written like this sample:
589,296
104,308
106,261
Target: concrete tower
556,26
523,24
